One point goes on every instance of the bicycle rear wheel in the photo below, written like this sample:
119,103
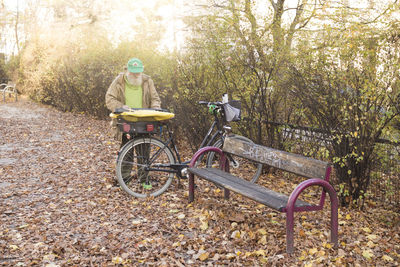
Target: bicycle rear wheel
244,168
143,167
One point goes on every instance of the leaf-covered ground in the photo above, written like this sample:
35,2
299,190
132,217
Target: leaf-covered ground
59,208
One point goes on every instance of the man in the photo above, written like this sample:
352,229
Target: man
131,89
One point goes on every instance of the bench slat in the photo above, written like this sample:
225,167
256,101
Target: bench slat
298,164
253,191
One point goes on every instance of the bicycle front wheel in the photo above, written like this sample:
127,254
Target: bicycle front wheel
144,167
242,167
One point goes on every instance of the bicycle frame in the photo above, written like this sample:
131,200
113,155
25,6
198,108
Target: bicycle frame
177,168
208,140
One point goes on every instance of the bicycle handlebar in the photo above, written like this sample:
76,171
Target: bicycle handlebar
210,103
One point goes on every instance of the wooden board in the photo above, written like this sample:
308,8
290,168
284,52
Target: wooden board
298,164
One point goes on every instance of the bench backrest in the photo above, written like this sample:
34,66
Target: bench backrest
294,163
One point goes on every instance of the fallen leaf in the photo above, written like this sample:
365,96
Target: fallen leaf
204,225
204,256
136,222
312,251
262,231
117,260
367,230
260,252
230,256
23,226
263,240
368,254
14,247
371,244
387,258
235,234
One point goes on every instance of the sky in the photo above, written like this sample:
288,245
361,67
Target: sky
122,20
124,12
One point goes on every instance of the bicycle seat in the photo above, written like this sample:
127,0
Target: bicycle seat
143,115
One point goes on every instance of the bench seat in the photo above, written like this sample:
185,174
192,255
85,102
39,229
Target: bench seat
248,189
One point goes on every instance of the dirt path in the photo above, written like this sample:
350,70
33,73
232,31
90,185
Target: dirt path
49,161
58,207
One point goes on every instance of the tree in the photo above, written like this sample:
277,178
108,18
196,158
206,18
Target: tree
349,86
247,49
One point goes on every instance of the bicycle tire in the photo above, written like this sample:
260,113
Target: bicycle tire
253,169
133,159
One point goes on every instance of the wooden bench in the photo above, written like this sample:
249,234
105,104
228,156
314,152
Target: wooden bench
317,171
8,89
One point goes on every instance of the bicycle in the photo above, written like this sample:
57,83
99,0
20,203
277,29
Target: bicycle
146,165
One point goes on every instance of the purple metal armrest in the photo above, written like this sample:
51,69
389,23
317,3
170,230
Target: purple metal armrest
195,157
290,208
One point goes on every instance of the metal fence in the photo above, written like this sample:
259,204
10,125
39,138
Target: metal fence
385,175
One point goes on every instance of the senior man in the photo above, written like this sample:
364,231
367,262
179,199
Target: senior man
131,89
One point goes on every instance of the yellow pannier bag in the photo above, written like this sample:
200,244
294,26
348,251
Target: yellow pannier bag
143,115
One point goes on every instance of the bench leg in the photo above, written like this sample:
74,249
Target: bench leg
289,232
191,187
334,221
226,193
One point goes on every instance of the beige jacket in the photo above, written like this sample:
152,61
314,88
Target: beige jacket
115,97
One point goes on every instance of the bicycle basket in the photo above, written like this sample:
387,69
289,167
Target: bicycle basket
232,110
